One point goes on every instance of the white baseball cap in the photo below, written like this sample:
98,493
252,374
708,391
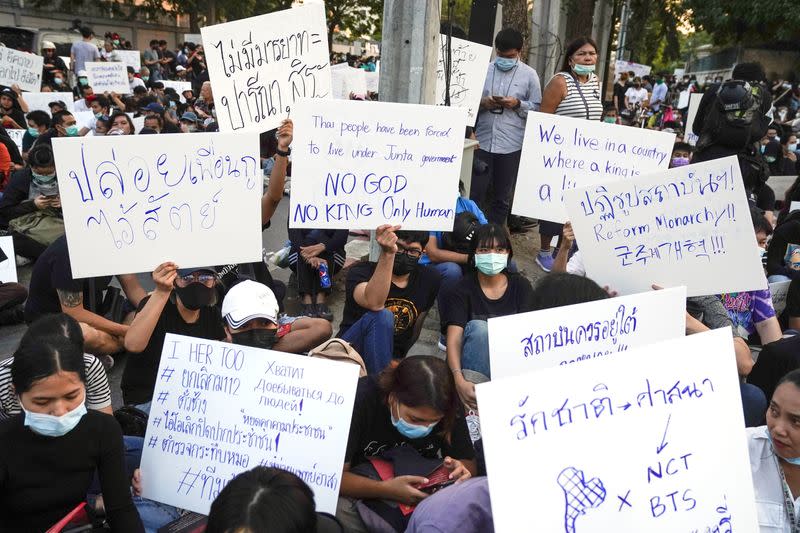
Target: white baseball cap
248,300
48,45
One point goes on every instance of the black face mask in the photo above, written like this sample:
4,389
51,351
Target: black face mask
256,338
404,264
196,295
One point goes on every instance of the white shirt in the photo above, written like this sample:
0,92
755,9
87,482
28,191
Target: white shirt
575,264
136,82
635,95
767,484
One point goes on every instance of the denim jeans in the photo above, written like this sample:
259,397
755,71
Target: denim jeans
451,274
775,278
154,514
372,336
754,404
475,349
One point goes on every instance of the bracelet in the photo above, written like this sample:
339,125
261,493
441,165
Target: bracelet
287,153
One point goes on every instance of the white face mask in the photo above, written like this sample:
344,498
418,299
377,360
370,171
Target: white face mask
54,426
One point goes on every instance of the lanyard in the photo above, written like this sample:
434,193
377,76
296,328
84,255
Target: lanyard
508,87
787,497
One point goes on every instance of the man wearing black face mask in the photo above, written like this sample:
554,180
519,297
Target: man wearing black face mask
182,303
387,301
251,319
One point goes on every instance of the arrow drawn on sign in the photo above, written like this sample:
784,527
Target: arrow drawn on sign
664,442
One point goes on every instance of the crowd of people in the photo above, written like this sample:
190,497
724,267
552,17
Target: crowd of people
60,448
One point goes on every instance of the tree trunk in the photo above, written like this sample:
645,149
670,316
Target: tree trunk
515,15
580,15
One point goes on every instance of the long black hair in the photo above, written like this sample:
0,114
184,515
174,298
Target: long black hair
485,237
560,289
45,357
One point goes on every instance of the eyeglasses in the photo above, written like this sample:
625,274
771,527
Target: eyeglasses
410,252
206,279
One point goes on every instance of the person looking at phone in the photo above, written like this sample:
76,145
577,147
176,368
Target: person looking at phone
413,404
511,90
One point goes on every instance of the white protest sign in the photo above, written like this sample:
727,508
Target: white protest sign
683,99
8,262
629,443
179,86
684,226
346,80
576,333
779,292
561,153
20,68
140,200
138,123
694,104
220,409
40,101
363,164
627,66
794,206
67,61
467,74
131,58
373,79
16,136
108,77
260,66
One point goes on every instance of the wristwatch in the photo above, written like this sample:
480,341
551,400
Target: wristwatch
287,153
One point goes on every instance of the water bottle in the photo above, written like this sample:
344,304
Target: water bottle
324,278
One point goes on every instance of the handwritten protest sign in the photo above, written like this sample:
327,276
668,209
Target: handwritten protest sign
16,136
346,79
20,68
576,333
131,58
366,164
627,66
629,443
684,226
220,409
111,77
694,105
179,86
467,74
8,264
779,292
561,153
39,101
260,66
139,200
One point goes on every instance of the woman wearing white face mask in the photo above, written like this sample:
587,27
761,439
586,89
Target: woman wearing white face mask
490,291
50,452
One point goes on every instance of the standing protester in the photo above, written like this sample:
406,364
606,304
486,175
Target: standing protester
83,51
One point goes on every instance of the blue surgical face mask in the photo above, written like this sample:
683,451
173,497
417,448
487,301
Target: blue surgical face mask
98,115
583,70
43,179
54,426
491,264
33,132
792,147
58,81
145,78
410,431
505,63
72,131
83,81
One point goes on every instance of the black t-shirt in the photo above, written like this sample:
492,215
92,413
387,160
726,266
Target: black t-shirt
44,478
405,303
141,370
468,302
51,272
792,300
372,432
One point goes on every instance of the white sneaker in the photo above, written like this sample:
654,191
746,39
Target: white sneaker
23,261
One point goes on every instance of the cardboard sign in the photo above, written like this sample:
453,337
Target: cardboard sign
139,200
562,153
260,66
220,409
363,164
779,292
8,260
110,77
21,68
691,136
131,58
576,333
467,74
622,443
39,101
684,226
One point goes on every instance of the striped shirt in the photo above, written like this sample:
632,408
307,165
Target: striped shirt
98,393
577,106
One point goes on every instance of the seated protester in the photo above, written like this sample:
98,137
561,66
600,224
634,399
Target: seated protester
311,249
489,291
12,298
414,404
153,122
774,457
268,499
63,124
13,117
101,126
101,108
53,289
50,452
789,165
38,123
134,81
773,154
387,301
569,258
774,361
122,123
463,508
31,205
98,393
681,155
610,115
791,315
782,262
17,162
183,302
251,319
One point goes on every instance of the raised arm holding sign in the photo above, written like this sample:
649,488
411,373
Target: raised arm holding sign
20,68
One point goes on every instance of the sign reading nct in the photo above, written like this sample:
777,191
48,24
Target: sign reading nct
467,74
135,201
363,164
562,153
220,409
575,333
260,66
648,440
684,226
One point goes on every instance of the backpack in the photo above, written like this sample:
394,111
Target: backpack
737,116
339,350
460,239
